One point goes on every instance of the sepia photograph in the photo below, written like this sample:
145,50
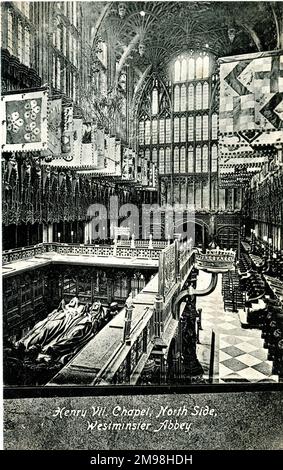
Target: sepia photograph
142,223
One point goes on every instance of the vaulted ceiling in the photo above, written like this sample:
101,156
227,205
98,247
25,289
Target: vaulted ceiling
150,33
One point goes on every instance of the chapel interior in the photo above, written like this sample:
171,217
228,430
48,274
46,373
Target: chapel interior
142,193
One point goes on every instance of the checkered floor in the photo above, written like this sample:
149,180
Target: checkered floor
239,353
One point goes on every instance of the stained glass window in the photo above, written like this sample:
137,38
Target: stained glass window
183,129
184,70
154,131
147,154
183,98
190,128
147,132
176,129
214,125
168,160
10,32
198,159
177,98
191,91
20,41
198,96
205,159
161,131
191,71
191,159
161,161
177,70
205,95
154,101
198,127
141,132
154,155
58,84
27,48
205,127
168,130
183,160
176,160
214,158
54,71
199,67
205,67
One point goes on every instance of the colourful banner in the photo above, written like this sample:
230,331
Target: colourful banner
24,121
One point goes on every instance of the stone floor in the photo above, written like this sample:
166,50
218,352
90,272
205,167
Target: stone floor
239,353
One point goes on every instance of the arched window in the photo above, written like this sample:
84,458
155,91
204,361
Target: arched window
147,132
168,131
161,161
168,160
205,93
199,67
214,126
190,128
191,159
184,70
141,132
154,155
183,160
199,96
214,158
176,129
177,70
198,127
205,127
176,160
183,98
161,131
198,159
154,101
191,92
191,69
177,98
183,129
205,159
205,70
154,131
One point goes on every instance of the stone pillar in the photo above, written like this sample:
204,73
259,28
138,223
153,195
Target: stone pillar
158,316
87,232
128,322
45,233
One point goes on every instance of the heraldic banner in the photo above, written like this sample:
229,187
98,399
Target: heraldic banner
24,121
250,110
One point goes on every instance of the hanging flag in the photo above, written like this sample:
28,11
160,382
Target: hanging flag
67,133
250,112
118,157
77,141
100,140
24,121
89,146
54,127
125,164
111,162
